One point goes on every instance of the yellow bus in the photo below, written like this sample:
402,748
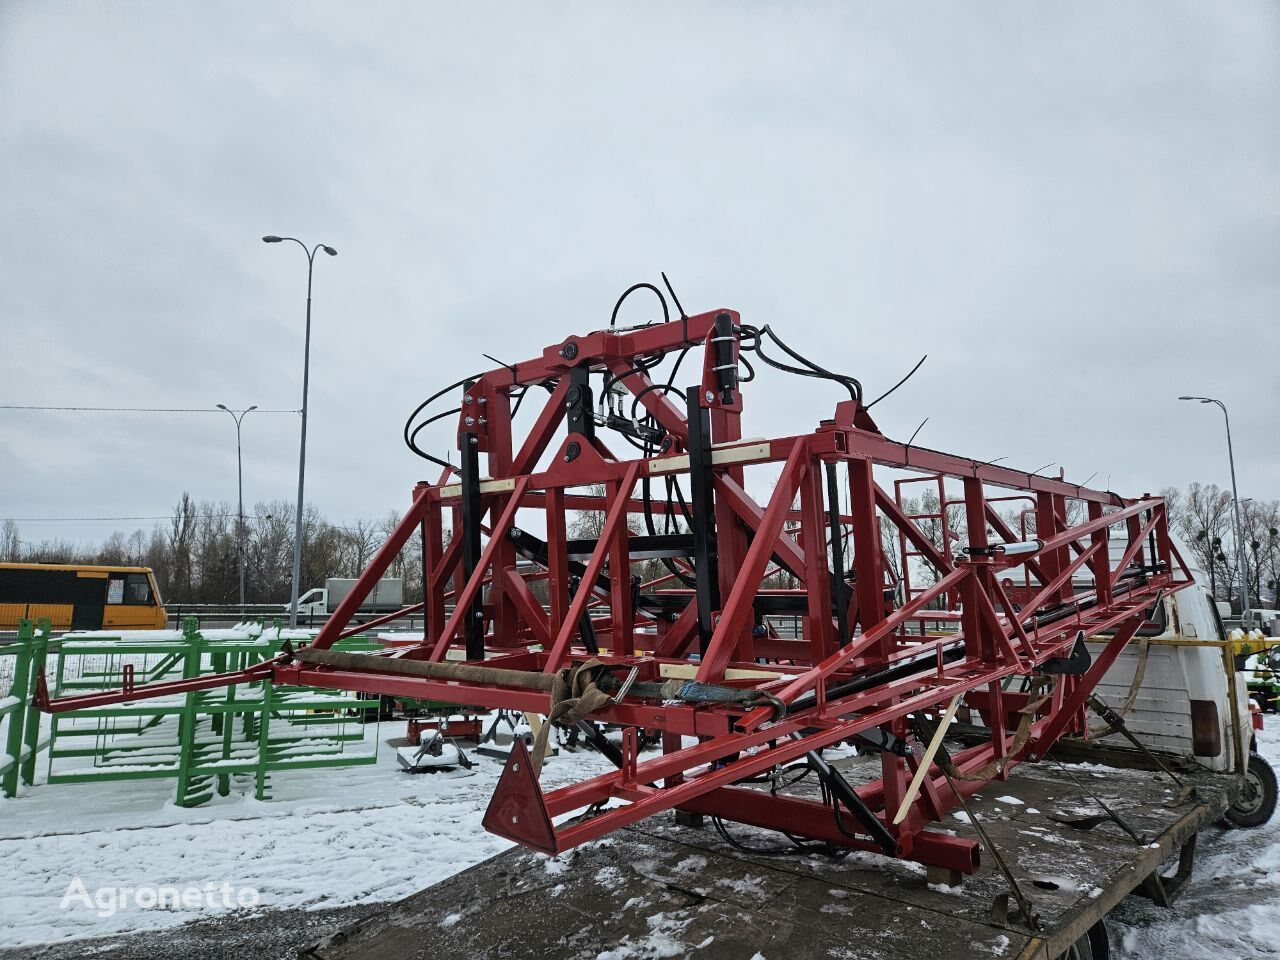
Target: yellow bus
80,597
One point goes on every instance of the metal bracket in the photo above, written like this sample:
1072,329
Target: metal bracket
626,685
1073,665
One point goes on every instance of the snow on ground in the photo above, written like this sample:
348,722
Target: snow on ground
371,833
1231,906
328,838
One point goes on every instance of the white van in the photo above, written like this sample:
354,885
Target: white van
1180,693
1266,621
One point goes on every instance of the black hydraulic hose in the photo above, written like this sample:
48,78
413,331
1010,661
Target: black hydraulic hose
638,367
662,387
676,368
430,420
409,438
797,371
909,375
850,383
666,312
647,499
673,483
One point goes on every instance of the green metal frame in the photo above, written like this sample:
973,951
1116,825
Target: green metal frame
22,741
203,738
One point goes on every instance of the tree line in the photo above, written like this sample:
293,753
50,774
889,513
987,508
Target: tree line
195,554
1201,519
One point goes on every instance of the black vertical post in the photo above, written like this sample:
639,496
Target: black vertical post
706,565
470,470
841,590
578,403
725,369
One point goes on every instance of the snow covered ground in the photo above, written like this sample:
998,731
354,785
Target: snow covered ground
1230,907
329,838
372,833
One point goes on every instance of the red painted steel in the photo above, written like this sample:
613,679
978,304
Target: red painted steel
546,609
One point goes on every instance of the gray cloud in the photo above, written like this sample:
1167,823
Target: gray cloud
1074,209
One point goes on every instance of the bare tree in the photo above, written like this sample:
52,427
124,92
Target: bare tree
362,538
10,544
181,534
1203,521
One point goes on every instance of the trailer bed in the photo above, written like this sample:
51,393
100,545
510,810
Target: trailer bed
659,889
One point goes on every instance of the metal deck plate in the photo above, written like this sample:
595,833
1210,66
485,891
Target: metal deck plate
658,889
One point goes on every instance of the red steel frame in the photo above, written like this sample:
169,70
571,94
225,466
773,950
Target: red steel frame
541,480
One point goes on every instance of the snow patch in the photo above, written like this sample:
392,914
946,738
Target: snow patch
662,942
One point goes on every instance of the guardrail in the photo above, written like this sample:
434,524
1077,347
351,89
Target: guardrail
214,616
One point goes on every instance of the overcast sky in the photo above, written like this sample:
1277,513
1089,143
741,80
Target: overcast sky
1074,209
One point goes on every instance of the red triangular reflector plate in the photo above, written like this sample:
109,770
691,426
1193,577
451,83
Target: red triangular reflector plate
516,810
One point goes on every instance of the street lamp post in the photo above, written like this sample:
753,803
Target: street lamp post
302,446
1241,558
240,493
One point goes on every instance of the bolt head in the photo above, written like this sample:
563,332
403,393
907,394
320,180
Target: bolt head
466,399
469,421
709,397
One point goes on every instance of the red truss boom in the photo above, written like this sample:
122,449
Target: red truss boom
514,599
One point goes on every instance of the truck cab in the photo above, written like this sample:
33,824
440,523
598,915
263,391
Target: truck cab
313,603
1178,687
387,596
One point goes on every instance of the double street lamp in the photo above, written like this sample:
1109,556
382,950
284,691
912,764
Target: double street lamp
239,418
302,447
1241,557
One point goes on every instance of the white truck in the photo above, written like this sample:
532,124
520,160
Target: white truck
1265,621
387,596
1179,687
